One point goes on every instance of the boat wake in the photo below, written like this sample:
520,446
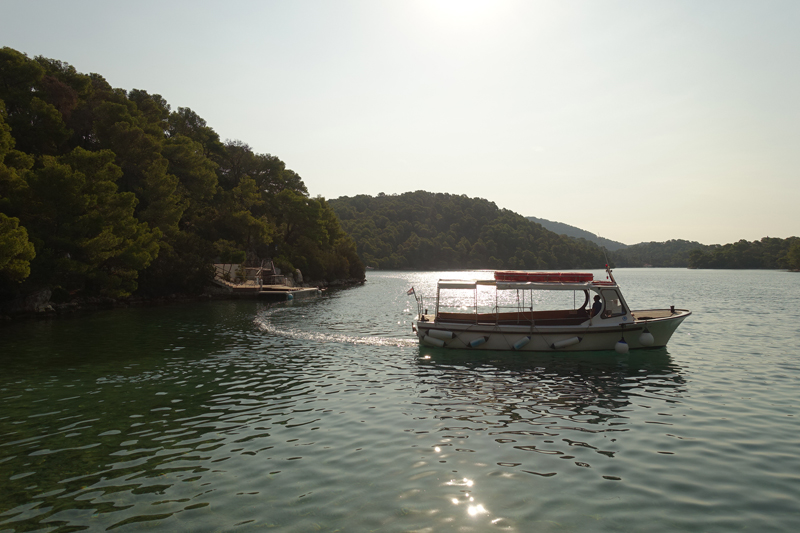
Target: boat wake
265,325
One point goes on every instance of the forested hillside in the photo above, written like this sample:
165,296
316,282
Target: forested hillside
766,253
769,252
422,230
105,191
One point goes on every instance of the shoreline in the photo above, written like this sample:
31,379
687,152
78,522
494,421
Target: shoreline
37,305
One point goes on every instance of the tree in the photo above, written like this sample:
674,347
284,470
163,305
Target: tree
37,125
154,110
12,164
87,235
16,251
793,256
144,168
186,122
196,173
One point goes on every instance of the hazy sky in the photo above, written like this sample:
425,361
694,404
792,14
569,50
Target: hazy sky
636,120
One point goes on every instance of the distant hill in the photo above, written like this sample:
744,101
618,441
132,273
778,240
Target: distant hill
672,253
572,231
425,231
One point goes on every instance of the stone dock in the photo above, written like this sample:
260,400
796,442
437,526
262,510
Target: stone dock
269,287
274,293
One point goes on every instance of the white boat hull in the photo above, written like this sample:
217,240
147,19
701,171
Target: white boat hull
592,337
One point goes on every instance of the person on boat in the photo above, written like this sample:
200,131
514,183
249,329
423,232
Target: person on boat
597,305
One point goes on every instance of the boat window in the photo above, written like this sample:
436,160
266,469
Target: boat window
613,303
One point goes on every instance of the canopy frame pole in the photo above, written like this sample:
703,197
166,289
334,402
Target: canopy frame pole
476,303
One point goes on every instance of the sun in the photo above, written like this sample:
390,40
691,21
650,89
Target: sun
459,14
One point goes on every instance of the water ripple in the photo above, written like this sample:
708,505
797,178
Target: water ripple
309,416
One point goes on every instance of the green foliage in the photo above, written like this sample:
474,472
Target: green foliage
767,253
196,173
84,229
187,123
312,240
284,265
227,252
427,231
16,251
793,256
104,191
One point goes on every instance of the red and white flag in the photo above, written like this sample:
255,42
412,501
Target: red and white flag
411,291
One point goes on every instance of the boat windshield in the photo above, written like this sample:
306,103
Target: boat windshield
613,303
479,301
533,300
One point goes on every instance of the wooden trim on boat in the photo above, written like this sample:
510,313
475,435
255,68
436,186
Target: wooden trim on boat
540,330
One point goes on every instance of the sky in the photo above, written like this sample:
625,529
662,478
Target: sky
637,121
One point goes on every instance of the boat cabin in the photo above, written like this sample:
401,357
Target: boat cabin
540,298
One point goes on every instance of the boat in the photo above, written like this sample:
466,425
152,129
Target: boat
513,312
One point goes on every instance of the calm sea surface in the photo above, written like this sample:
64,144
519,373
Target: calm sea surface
325,415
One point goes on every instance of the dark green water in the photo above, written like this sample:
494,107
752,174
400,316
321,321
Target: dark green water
325,415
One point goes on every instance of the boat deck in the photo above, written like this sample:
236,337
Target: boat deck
652,314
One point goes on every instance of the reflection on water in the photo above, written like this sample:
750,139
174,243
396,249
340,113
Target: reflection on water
326,415
547,404
110,447
125,448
